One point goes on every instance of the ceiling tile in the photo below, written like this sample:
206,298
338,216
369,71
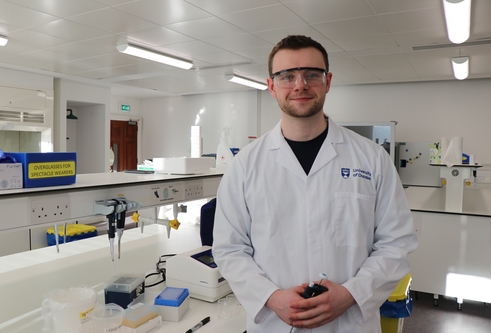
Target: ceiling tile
158,36
191,48
60,8
222,58
421,37
20,16
414,20
206,28
388,66
238,42
316,11
350,70
163,12
112,21
480,22
266,18
274,36
395,6
381,41
353,28
220,7
69,30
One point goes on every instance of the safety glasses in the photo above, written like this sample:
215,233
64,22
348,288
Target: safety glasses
311,76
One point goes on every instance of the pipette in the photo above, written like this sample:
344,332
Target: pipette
120,222
111,230
56,238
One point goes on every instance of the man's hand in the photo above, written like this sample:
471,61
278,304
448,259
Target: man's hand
280,302
319,310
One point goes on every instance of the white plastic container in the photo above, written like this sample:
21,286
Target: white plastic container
182,165
66,310
107,318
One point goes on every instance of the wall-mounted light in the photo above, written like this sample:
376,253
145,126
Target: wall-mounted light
246,82
460,67
458,18
154,56
3,40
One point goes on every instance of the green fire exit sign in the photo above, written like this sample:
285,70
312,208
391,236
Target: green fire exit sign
125,107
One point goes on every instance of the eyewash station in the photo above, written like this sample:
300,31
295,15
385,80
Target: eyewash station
27,277
453,224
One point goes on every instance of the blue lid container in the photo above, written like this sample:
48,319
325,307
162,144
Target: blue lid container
172,296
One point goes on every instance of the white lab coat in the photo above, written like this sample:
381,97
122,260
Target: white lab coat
275,227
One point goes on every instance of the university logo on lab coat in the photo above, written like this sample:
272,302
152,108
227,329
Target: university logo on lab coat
345,172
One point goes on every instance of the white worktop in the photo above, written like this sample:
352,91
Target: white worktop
88,180
477,199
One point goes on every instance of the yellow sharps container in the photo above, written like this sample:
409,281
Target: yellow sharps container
397,307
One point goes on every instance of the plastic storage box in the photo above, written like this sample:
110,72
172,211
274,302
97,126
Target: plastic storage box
123,289
140,317
47,169
398,306
73,232
173,303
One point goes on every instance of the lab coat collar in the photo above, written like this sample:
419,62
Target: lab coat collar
287,158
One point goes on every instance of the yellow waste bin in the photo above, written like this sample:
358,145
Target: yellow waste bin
397,307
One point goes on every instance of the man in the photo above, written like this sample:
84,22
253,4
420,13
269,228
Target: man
311,197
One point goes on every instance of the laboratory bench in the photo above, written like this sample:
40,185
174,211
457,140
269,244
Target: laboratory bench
454,253
26,213
26,277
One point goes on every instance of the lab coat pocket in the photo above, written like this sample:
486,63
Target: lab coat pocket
354,218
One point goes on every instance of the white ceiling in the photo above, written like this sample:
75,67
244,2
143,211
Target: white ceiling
368,41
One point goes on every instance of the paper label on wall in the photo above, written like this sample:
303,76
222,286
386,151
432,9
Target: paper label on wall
51,169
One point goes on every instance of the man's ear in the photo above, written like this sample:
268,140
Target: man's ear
270,82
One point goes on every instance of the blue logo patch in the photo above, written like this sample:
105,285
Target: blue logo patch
345,172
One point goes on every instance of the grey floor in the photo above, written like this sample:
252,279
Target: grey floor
475,317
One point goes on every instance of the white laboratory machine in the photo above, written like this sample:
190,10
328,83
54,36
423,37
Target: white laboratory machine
197,271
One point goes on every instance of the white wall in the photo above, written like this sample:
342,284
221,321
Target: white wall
425,111
92,127
167,122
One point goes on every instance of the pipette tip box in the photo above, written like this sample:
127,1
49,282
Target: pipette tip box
73,232
140,317
123,289
172,303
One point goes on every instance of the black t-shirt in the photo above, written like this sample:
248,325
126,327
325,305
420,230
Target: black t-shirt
306,151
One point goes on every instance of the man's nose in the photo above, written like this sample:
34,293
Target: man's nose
302,80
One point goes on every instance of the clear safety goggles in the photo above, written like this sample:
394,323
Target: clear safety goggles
311,76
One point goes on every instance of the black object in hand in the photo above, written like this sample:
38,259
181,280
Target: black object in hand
314,290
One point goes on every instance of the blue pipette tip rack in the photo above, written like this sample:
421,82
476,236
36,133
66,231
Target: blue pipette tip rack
172,296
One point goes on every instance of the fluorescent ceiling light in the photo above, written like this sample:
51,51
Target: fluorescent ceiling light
3,40
460,67
458,17
154,56
246,82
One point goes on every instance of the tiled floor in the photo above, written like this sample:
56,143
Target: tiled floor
475,317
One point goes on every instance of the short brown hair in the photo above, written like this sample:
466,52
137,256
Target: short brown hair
296,42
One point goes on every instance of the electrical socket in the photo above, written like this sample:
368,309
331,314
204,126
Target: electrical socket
193,190
50,208
481,179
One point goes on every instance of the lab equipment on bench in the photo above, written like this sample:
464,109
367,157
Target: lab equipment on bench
197,271
172,303
124,288
115,211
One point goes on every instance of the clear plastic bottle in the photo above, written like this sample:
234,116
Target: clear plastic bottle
224,154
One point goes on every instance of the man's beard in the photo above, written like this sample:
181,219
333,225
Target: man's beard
292,111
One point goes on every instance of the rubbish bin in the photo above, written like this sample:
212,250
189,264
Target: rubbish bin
397,307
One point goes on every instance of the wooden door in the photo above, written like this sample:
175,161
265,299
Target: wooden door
124,144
